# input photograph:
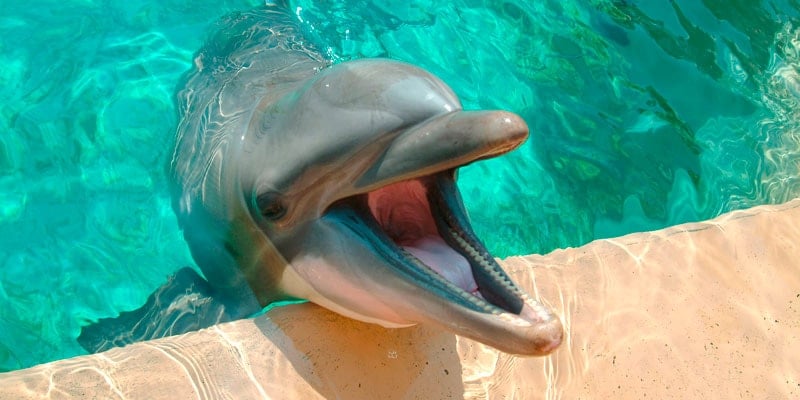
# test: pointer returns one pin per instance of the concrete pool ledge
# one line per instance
(701, 309)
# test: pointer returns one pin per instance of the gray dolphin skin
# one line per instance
(297, 179)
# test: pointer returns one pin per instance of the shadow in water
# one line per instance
(183, 304)
(354, 358)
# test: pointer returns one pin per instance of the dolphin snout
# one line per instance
(445, 142)
(495, 132)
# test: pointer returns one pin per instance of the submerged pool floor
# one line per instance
(642, 115)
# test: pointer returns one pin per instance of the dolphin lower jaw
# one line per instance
(496, 311)
(298, 285)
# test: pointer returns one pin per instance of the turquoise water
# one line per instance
(643, 115)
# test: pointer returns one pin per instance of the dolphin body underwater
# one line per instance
(297, 179)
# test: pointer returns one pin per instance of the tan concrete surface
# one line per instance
(708, 310)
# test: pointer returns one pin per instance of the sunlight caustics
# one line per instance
(644, 317)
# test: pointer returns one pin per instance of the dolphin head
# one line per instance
(352, 179)
(296, 179)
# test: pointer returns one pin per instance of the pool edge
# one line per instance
(304, 351)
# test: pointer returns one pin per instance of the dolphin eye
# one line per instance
(271, 206)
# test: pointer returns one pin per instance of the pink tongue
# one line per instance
(435, 253)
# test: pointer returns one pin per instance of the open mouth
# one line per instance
(421, 227)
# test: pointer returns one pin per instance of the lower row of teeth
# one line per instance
(476, 255)
(542, 312)
(476, 298)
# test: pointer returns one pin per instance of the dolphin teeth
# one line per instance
(475, 300)
(454, 226)
(407, 212)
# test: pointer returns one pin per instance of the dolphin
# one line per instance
(296, 178)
